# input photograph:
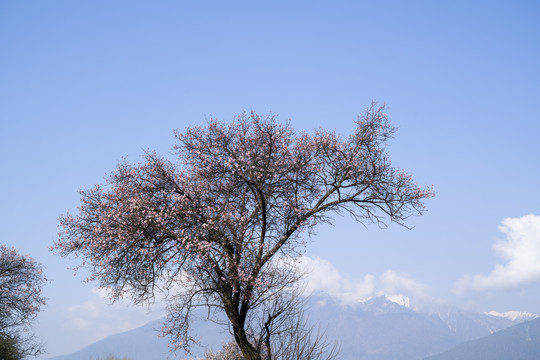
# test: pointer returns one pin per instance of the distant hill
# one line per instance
(376, 329)
(144, 343)
(380, 329)
(521, 342)
(140, 343)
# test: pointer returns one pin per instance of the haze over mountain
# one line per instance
(379, 328)
(145, 343)
(520, 341)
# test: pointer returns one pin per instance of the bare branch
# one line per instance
(212, 223)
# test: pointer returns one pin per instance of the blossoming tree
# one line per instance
(222, 222)
(21, 281)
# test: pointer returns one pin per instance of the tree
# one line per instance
(286, 335)
(294, 339)
(221, 223)
(284, 332)
(9, 348)
(21, 281)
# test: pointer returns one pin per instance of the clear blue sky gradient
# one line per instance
(83, 84)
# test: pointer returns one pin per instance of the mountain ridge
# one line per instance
(379, 328)
(521, 341)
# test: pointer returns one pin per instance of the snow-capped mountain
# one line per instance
(469, 325)
(387, 327)
(379, 328)
(400, 300)
(514, 315)
(520, 341)
(465, 324)
(383, 304)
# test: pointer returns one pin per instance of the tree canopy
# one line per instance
(21, 282)
(222, 222)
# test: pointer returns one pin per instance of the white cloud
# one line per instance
(396, 284)
(69, 328)
(97, 318)
(324, 277)
(520, 252)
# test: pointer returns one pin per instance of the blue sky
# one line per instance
(83, 84)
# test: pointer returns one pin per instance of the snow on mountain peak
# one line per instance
(513, 315)
(400, 300)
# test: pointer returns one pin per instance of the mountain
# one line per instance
(520, 341)
(380, 328)
(467, 325)
(514, 315)
(140, 343)
(384, 328)
(144, 343)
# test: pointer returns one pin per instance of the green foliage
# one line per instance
(9, 348)
(21, 281)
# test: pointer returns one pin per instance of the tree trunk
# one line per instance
(248, 351)
(237, 321)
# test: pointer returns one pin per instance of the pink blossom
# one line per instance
(235, 197)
